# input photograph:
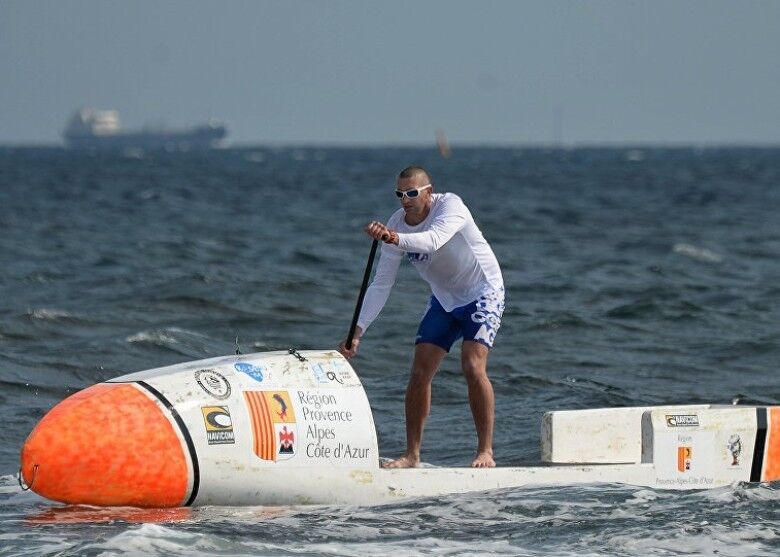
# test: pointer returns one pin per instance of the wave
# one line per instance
(674, 310)
(697, 253)
(592, 519)
(178, 340)
(48, 314)
(562, 320)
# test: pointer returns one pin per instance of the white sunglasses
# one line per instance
(412, 193)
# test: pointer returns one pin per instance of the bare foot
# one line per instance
(406, 461)
(484, 460)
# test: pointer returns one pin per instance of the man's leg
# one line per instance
(474, 356)
(427, 358)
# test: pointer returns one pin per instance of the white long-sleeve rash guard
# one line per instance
(447, 249)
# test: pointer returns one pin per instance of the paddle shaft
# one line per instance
(363, 288)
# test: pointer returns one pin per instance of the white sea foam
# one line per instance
(415, 546)
(40, 545)
(169, 335)
(741, 492)
(643, 497)
(584, 520)
(689, 538)
(700, 254)
(9, 484)
(154, 337)
(13, 496)
(151, 539)
(48, 314)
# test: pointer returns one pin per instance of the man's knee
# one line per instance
(474, 362)
(427, 358)
(475, 375)
(423, 372)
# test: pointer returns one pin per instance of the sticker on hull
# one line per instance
(255, 372)
(274, 428)
(682, 420)
(309, 427)
(213, 383)
(684, 457)
(219, 425)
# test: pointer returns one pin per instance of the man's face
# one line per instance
(416, 204)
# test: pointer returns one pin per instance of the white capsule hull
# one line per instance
(290, 429)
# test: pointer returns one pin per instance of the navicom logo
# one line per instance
(219, 425)
(682, 420)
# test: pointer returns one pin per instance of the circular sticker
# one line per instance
(213, 382)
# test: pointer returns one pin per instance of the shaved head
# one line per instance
(415, 172)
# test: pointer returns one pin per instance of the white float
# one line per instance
(291, 428)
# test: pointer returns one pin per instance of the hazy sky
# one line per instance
(393, 72)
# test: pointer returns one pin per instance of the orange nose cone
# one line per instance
(107, 445)
(772, 452)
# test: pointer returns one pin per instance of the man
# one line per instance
(438, 236)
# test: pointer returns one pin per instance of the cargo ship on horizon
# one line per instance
(91, 128)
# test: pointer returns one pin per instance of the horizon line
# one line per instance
(587, 144)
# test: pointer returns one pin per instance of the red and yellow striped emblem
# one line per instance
(684, 457)
(266, 409)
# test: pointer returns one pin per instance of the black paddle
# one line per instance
(363, 288)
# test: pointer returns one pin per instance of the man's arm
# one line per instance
(379, 289)
(376, 295)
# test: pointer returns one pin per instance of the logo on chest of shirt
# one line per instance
(417, 257)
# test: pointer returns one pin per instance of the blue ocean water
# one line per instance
(633, 276)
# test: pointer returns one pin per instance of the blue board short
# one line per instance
(478, 321)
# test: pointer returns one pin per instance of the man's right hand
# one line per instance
(379, 231)
(352, 351)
